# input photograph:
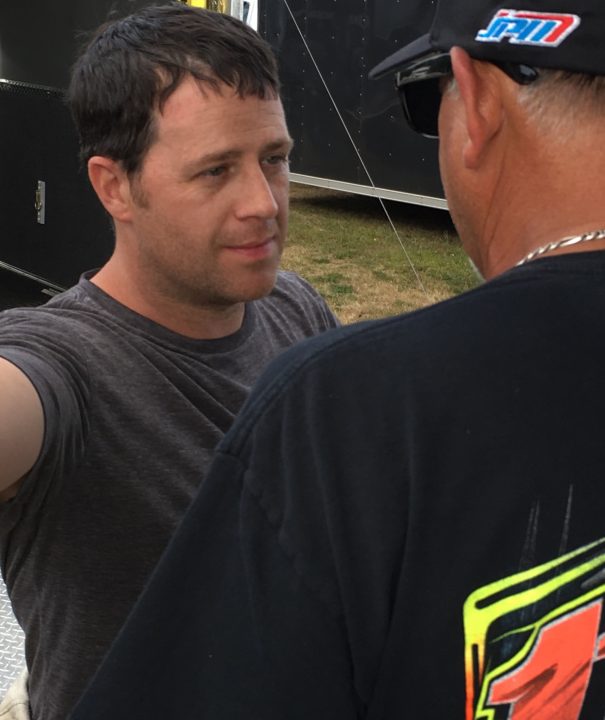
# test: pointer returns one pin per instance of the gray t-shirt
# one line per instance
(133, 412)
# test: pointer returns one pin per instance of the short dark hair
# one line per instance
(131, 66)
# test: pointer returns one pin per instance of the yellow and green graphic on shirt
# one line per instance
(533, 639)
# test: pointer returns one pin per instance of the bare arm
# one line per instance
(21, 427)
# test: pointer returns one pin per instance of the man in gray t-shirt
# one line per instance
(114, 394)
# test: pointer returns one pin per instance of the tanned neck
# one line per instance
(192, 321)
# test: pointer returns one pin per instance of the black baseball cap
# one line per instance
(555, 34)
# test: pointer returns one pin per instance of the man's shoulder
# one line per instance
(71, 330)
(496, 307)
(296, 302)
(291, 286)
(421, 349)
(371, 337)
(60, 316)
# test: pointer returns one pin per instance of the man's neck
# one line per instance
(545, 241)
(188, 319)
(526, 217)
(531, 195)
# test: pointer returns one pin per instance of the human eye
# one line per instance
(277, 160)
(214, 172)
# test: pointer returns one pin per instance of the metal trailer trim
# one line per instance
(17, 84)
(384, 193)
(49, 286)
(12, 644)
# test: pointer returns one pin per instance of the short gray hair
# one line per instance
(559, 100)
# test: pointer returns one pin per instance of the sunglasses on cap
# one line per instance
(420, 87)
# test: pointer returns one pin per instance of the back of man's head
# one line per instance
(561, 41)
(131, 66)
(521, 125)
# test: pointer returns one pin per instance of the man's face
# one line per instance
(211, 199)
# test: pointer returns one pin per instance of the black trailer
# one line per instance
(349, 133)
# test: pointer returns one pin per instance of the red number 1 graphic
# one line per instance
(553, 680)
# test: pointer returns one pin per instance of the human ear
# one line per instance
(110, 181)
(481, 99)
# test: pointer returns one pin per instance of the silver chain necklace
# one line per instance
(565, 242)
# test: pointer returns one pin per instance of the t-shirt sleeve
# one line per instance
(314, 308)
(58, 373)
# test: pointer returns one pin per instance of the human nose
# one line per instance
(256, 197)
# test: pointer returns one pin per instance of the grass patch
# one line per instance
(346, 247)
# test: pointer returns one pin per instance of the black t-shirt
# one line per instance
(406, 521)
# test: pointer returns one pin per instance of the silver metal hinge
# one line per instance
(40, 203)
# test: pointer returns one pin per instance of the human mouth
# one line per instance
(255, 250)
